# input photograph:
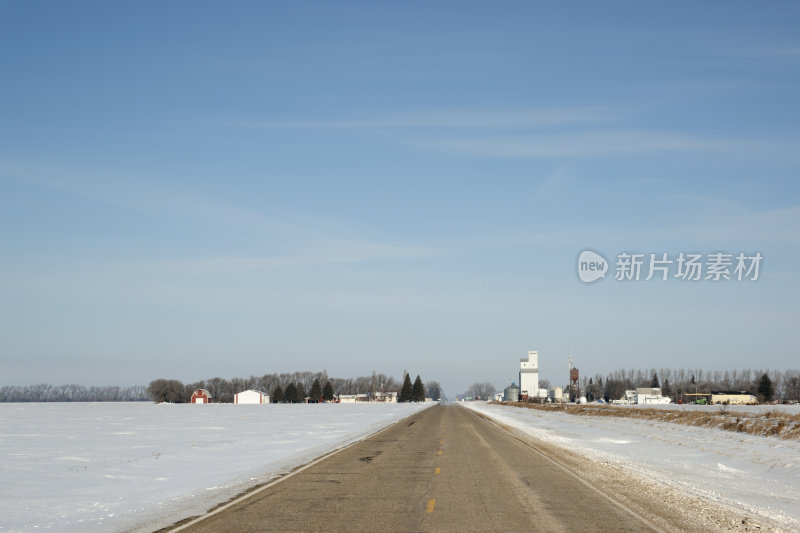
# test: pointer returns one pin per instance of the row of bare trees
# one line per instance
(223, 390)
(674, 382)
(480, 390)
(72, 393)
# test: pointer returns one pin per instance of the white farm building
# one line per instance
(251, 396)
(643, 395)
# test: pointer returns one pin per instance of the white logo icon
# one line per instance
(591, 266)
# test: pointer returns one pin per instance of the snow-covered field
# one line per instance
(119, 466)
(759, 474)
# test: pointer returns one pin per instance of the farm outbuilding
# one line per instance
(651, 395)
(353, 398)
(388, 397)
(201, 396)
(733, 398)
(643, 395)
(251, 396)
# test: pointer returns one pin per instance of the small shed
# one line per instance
(251, 396)
(201, 396)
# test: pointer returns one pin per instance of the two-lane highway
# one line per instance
(443, 469)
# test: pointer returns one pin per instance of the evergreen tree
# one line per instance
(765, 389)
(291, 393)
(327, 392)
(316, 392)
(301, 393)
(654, 382)
(277, 394)
(418, 390)
(405, 392)
(666, 390)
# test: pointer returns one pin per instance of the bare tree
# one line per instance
(434, 390)
(165, 390)
(483, 390)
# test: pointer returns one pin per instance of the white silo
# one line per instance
(558, 395)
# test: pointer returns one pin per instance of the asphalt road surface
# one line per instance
(442, 469)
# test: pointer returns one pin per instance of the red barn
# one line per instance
(201, 396)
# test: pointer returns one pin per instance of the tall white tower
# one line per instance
(529, 375)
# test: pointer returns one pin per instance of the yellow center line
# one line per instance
(431, 505)
(437, 471)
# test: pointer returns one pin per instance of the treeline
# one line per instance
(484, 390)
(781, 385)
(480, 390)
(291, 387)
(72, 393)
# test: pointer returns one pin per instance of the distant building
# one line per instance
(353, 398)
(733, 398)
(201, 396)
(650, 395)
(529, 375)
(251, 396)
(388, 397)
(558, 395)
(642, 396)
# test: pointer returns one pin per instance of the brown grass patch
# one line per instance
(767, 423)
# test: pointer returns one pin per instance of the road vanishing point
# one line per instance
(442, 469)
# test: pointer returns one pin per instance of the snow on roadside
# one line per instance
(758, 474)
(118, 466)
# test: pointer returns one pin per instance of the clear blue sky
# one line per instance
(199, 189)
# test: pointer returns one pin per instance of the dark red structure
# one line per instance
(201, 396)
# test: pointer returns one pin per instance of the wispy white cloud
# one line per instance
(339, 253)
(296, 238)
(733, 223)
(467, 118)
(164, 195)
(556, 183)
(603, 143)
(778, 52)
(557, 132)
